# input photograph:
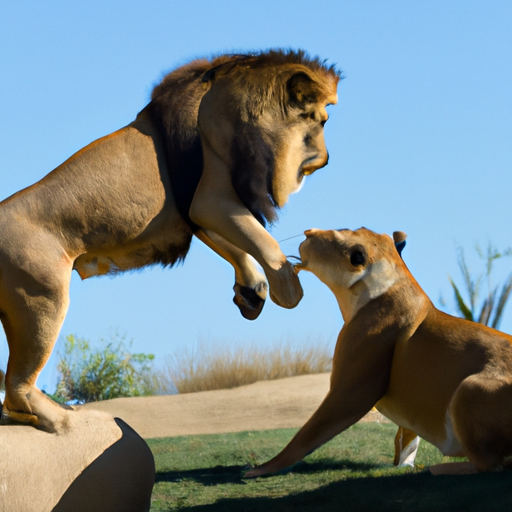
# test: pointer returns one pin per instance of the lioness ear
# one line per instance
(399, 239)
(302, 89)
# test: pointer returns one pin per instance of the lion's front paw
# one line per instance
(250, 301)
(285, 288)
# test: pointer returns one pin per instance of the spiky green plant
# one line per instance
(490, 311)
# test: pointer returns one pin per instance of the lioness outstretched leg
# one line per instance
(33, 305)
(328, 420)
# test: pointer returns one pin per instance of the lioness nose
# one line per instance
(311, 232)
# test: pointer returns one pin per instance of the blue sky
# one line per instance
(420, 141)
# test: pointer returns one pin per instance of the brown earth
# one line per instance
(283, 403)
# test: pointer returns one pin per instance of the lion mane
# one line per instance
(174, 107)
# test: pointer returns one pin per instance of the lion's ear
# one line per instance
(302, 89)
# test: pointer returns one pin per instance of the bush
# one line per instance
(210, 368)
(111, 371)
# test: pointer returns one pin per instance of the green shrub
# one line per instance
(110, 371)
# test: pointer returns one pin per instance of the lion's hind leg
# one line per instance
(482, 420)
(33, 307)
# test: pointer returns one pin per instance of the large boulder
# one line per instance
(96, 464)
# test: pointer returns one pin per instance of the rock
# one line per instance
(96, 464)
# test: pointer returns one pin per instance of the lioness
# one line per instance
(444, 378)
(216, 153)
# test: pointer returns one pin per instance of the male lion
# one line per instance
(215, 153)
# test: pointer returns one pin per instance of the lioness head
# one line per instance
(265, 115)
(357, 266)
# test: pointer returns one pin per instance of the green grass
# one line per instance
(353, 472)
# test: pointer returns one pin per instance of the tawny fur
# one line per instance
(443, 378)
(136, 197)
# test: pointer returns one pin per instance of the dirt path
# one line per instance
(264, 405)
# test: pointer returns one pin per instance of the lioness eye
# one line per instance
(357, 258)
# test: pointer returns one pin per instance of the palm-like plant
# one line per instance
(490, 312)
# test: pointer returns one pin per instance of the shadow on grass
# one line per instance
(220, 475)
(208, 476)
(306, 468)
(419, 492)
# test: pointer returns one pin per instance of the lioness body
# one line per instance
(450, 376)
(136, 197)
(444, 378)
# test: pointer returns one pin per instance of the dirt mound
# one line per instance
(282, 403)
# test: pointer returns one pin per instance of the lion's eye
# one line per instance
(357, 258)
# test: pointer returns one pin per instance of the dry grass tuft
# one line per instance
(209, 368)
